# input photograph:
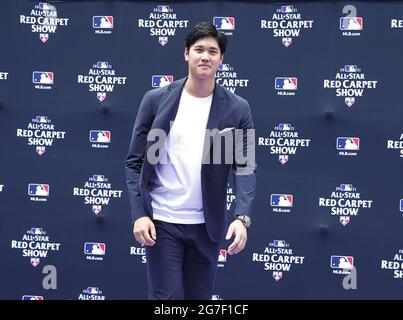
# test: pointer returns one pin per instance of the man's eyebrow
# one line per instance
(201, 46)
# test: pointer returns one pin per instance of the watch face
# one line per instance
(246, 220)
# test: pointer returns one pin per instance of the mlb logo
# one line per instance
(341, 262)
(222, 256)
(401, 205)
(37, 189)
(96, 208)
(41, 119)
(101, 96)
(163, 40)
(35, 261)
(344, 220)
(98, 177)
(40, 150)
(286, 9)
(92, 290)
(102, 22)
(44, 37)
(36, 231)
(284, 126)
(279, 243)
(277, 275)
(215, 297)
(161, 80)
(44, 6)
(102, 65)
(346, 187)
(350, 68)
(26, 297)
(351, 23)
(224, 23)
(224, 67)
(348, 143)
(286, 83)
(163, 8)
(281, 200)
(102, 136)
(283, 158)
(94, 248)
(349, 101)
(287, 42)
(42, 77)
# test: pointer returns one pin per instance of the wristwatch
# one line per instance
(246, 220)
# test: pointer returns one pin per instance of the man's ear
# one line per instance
(222, 58)
(186, 54)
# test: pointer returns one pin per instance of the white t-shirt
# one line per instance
(178, 195)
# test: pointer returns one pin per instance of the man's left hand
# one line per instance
(241, 235)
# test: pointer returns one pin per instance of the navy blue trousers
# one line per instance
(182, 264)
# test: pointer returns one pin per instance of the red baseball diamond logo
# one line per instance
(348, 146)
(351, 26)
(29, 297)
(100, 139)
(94, 248)
(102, 22)
(224, 23)
(38, 191)
(286, 83)
(43, 79)
(341, 264)
(222, 257)
(158, 81)
(281, 200)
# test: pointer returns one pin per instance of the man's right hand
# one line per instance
(144, 231)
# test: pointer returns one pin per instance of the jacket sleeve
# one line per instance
(244, 167)
(135, 157)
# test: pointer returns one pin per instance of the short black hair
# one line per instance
(206, 29)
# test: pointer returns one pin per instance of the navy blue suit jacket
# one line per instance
(158, 108)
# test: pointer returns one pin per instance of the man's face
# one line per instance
(203, 58)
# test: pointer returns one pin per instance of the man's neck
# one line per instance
(199, 88)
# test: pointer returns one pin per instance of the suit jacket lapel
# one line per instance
(216, 108)
(215, 116)
(168, 107)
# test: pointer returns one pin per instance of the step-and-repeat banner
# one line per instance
(322, 79)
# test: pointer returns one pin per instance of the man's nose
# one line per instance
(205, 55)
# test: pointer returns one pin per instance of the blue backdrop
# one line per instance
(320, 79)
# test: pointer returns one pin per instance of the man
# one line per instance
(178, 192)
